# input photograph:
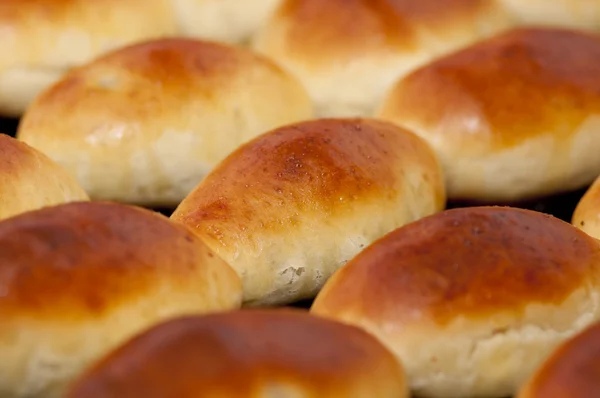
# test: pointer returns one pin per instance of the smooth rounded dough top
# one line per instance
(247, 353)
(502, 92)
(86, 260)
(573, 370)
(470, 263)
(29, 180)
(318, 31)
(58, 34)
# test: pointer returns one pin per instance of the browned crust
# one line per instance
(470, 262)
(83, 259)
(503, 91)
(324, 166)
(573, 370)
(242, 353)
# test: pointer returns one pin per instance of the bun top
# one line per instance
(348, 52)
(483, 265)
(143, 124)
(571, 371)
(527, 99)
(587, 213)
(63, 33)
(88, 260)
(29, 180)
(247, 353)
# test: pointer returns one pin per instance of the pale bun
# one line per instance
(78, 279)
(42, 39)
(29, 180)
(250, 353)
(587, 213)
(512, 118)
(145, 123)
(229, 21)
(471, 300)
(571, 370)
(290, 207)
(349, 52)
(578, 14)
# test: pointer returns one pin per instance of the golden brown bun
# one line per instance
(473, 299)
(290, 207)
(42, 39)
(349, 52)
(29, 180)
(512, 118)
(229, 21)
(587, 213)
(243, 354)
(571, 371)
(145, 123)
(78, 279)
(579, 14)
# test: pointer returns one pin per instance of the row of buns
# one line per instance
(469, 301)
(346, 52)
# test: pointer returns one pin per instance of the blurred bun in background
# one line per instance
(512, 118)
(29, 180)
(277, 353)
(349, 52)
(471, 300)
(229, 21)
(290, 207)
(578, 14)
(145, 123)
(78, 279)
(43, 39)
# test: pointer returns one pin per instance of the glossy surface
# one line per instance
(470, 262)
(247, 354)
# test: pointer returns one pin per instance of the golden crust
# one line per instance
(143, 124)
(521, 95)
(29, 180)
(463, 263)
(83, 260)
(571, 371)
(587, 213)
(295, 182)
(247, 353)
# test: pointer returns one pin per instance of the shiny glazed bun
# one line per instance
(29, 180)
(78, 279)
(290, 207)
(229, 21)
(512, 118)
(145, 123)
(571, 371)
(349, 52)
(243, 354)
(587, 213)
(471, 300)
(42, 39)
(579, 14)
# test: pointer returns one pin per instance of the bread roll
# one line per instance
(579, 14)
(78, 279)
(587, 213)
(349, 52)
(42, 39)
(290, 207)
(473, 299)
(230, 21)
(29, 180)
(512, 118)
(145, 123)
(571, 371)
(258, 354)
